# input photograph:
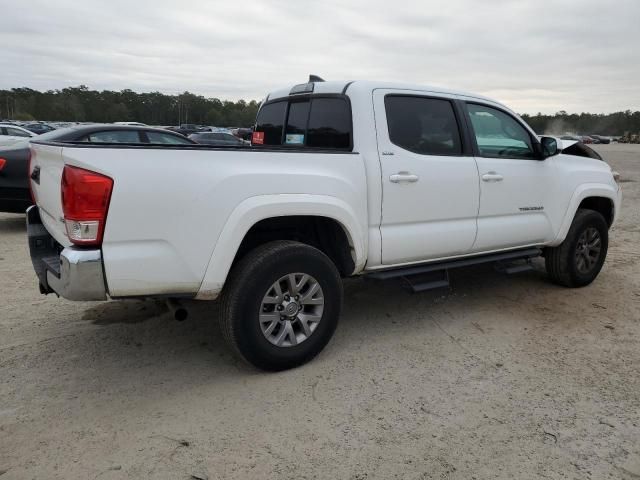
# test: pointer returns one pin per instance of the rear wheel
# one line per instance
(577, 261)
(281, 305)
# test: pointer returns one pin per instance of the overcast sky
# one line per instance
(534, 55)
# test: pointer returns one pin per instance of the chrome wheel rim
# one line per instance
(588, 250)
(291, 310)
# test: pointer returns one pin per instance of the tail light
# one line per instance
(85, 202)
(2, 163)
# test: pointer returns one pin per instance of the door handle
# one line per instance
(401, 177)
(492, 177)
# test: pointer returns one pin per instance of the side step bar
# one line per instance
(436, 275)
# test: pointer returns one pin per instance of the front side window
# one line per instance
(498, 134)
(166, 139)
(426, 126)
(114, 136)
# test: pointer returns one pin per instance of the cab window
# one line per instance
(422, 125)
(271, 121)
(318, 122)
(498, 134)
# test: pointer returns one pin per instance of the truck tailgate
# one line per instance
(46, 177)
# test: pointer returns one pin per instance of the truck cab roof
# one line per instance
(361, 86)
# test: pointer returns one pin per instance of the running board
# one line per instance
(436, 275)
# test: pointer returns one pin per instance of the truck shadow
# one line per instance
(146, 328)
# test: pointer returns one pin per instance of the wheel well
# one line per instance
(323, 233)
(602, 205)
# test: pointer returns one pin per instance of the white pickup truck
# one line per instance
(342, 178)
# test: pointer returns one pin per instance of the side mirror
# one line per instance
(549, 147)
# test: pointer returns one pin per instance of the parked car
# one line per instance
(186, 129)
(10, 134)
(216, 138)
(601, 139)
(586, 139)
(14, 185)
(39, 128)
(14, 160)
(381, 180)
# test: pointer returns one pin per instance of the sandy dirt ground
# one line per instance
(499, 377)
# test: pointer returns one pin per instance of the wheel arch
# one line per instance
(598, 197)
(249, 221)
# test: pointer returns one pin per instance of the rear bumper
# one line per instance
(72, 273)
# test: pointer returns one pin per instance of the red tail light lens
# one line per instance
(2, 163)
(85, 202)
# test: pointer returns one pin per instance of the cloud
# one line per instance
(534, 55)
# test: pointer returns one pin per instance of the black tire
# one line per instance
(563, 263)
(250, 280)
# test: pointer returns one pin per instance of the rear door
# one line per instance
(429, 177)
(514, 183)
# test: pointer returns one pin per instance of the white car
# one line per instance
(10, 134)
(381, 180)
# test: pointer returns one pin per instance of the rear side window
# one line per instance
(322, 122)
(114, 136)
(271, 121)
(329, 124)
(426, 126)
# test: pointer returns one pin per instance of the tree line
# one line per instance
(79, 104)
(612, 124)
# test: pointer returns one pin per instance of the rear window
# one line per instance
(271, 121)
(323, 123)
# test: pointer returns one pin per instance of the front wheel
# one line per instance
(577, 261)
(281, 305)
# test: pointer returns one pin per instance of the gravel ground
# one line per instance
(500, 377)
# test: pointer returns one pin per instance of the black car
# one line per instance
(216, 138)
(601, 139)
(14, 160)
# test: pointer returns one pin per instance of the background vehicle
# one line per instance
(586, 139)
(12, 133)
(601, 139)
(39, 128)
(216, 138)
(14, 160)
(14, 184)
(185, 129)
(342, 178)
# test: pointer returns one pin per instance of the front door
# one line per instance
(514, 182)
(430, 191)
